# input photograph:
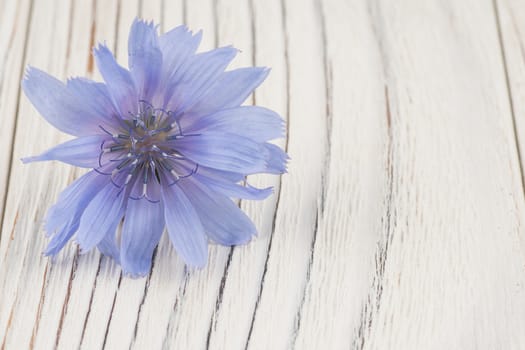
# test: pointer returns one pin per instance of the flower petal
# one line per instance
(177, 46)
(108, 246)
(257, 123)
(223, 151)
(225, 175)
(119, 81)
(77, 195)
(95, 100)
(276, 159)
(189, 83)
(60, 238)
(184, 227)
(59, 105)
(223, 221)
(230, 90)
(234, 190)
(143, 227)
(63, 218)
(145, 58)
(101, 216)
(82, 152)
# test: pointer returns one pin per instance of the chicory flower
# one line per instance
(168, 144)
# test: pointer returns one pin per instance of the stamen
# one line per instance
(115, 148)
(128, 179)
(129, 155)
(175, 175)
(176, 155)
(141, 144)
(174, 137)
(124, 163)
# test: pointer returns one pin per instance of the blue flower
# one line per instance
(169, 145)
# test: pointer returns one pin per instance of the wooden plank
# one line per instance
(15, 18)
(450, 268)
(510, 17)
(243, 278)
(356, 185)
(24, 270)
(56, 294)
(289, 257)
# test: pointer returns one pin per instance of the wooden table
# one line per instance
(399, 226)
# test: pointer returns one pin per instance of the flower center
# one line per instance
(141, 155)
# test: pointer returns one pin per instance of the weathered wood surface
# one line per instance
(401, 223)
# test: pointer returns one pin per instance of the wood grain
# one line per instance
(400, 224)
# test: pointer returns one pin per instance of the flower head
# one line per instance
(169, 145)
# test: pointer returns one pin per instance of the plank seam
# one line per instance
(218, 302)
(67, 297)
(144, 295)
(373, 301)
(39, 309)
(165, 344)
(510, 99)
(111, 312)
(9, 321)
(162, 11)
(90, 64)
(215, 23)
(184, 12)
(251, 9)
(370, 308)
(274, 219)
(325, 170)
(298, 315)
(90, 303)
(327, 66)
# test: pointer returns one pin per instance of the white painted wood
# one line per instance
(353, 214)
(453, 267)
(15, 19)
(235, 313)
(510, 18)
(285, 278)
(24, 282)
(399, 226)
